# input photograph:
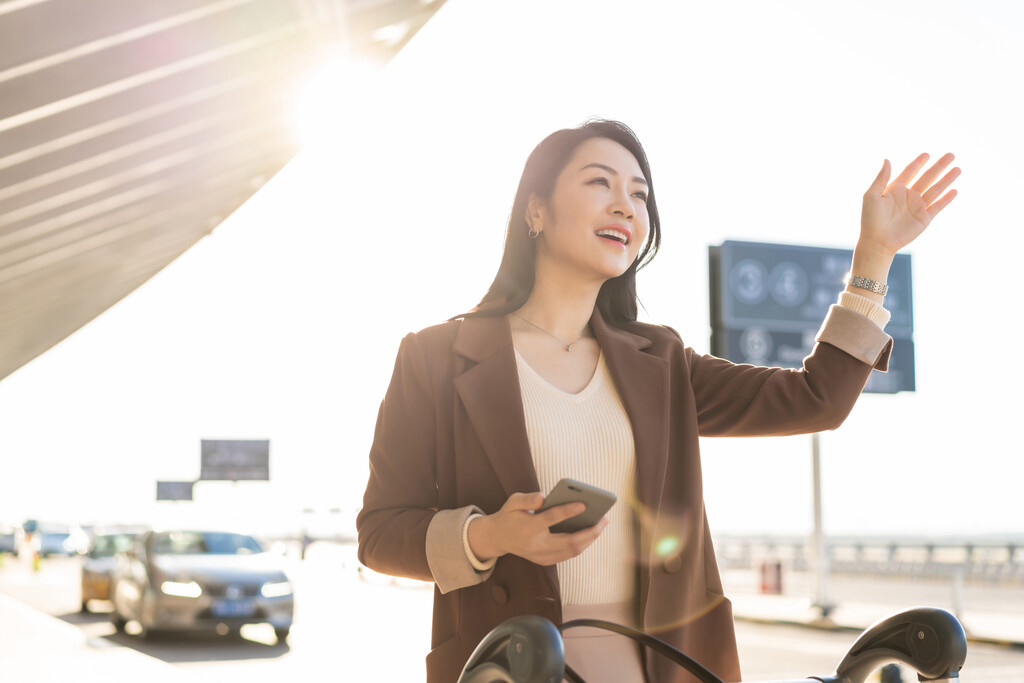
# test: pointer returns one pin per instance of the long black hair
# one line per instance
(617, 298)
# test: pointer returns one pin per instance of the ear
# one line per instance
(535, 209)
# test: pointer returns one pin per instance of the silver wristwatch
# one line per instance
(865, 283)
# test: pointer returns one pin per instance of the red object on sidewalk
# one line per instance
(771, 577)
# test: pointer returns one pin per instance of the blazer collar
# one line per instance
(479, 338)
(615, 336)
(491, 394)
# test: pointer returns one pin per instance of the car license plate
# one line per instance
(233, 608)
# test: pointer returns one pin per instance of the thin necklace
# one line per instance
(568, 345)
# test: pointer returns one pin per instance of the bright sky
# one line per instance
(763, 122)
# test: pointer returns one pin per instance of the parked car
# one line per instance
(58, 539)
(55, 543)
(8, 540)
(198, 581)
(98, 565)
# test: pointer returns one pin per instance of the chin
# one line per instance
(612, 273)
(619, 268)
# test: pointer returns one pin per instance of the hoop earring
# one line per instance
(534, 233)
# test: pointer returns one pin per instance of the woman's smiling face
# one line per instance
(595, 222)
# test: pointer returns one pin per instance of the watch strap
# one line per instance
(868, 284)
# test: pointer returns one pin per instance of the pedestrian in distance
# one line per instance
(552, 376)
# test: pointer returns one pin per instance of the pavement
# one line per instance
(35, 646)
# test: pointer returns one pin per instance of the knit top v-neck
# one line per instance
(587, 436)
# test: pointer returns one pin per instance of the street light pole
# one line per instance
(821, 564)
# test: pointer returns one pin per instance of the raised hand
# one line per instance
(895, 213)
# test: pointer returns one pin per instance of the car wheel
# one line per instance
(145, 631)
(118, 621)
(282, 634)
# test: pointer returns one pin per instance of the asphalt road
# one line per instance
(350, 626)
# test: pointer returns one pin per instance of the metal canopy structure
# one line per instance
(129, 129)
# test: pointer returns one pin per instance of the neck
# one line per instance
(560, 308)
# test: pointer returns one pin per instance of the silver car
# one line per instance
(8, 540)
(98, 565)
(198, 581)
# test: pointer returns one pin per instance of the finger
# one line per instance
(911, 170)
(881, 180)
(940, 187)
(579, 540)
(524, 501)
(592, 532)
(560, 513)
(929, 176)
(942, 203)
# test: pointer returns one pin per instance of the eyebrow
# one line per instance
(609, 169)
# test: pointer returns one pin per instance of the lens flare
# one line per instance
(667, 546)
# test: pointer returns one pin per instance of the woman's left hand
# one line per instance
(895, 214)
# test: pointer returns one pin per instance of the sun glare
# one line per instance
(332, 94)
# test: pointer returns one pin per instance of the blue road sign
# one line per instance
(768, 301)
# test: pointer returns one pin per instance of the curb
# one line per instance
(829, 625)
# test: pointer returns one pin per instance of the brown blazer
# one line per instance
(451, 433)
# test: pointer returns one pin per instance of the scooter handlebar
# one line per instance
(523, 649)
(928, 639)
(528, 649)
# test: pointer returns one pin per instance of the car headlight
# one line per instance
(276, 589)
(182, 589)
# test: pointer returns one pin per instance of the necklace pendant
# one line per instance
(568, 347)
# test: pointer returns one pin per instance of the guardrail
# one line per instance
(988, 560)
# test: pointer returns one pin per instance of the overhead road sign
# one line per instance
(244, 460)
(174, 490)
(768, 302)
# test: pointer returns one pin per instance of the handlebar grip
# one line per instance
(928, 639)
(523, 649)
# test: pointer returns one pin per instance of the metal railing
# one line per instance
(986, 560)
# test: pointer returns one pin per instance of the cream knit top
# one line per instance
(586, 436)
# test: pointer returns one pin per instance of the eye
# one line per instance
(641, 195)
(599, 181)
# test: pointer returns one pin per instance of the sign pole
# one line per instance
(821, 564)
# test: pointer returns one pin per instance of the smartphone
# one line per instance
(597, 500)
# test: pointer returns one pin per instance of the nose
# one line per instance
(620, 205)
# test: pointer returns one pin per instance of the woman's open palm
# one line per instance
(895, 214)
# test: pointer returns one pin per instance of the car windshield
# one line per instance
(54, 539)
(204, 543)
(108, 546)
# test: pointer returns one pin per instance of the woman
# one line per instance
(551, 376)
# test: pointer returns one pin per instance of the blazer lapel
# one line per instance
(490, 393)
(489, 390)
(642, 382)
